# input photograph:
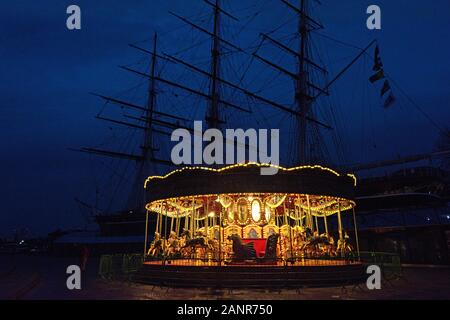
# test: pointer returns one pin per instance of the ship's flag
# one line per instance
(378, 64)
(386, 87)
(390, 100)
(377, 76)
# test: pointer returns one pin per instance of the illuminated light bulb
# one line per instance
(248, 164)
(211, 214)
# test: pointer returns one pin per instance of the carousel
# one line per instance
(233, 227)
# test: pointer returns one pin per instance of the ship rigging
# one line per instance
(226, 92)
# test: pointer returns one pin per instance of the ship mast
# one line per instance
(147, 150)
(213, 114)
(305, 90)
(304, 95)
(145, 169)
(301, 92)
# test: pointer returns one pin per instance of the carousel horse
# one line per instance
(242, 251)
(208, 240)
(308, 234)
(344, 247)
(191, 244)
(173, 245)
(271, 247)
(314, 243)
(227, 249)
(326, 247)
(211, 244)
(213, 247)
(156, 247)
(329, 249)
(299, 241)
(285, 245)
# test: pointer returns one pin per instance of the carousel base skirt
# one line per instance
(312, 273)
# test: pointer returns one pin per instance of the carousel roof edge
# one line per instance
(249, 164)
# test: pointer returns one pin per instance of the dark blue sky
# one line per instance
(47, 71)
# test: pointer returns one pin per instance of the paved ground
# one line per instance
(32, 277)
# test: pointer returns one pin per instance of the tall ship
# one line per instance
(230, 67)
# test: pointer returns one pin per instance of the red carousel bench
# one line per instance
(259, 245)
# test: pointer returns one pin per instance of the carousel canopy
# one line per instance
(247, 178)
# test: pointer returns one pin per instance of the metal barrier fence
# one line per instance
(119, 265)
(124, 265)
(297, 261)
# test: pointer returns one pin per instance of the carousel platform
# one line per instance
(311, 273)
